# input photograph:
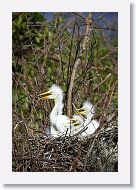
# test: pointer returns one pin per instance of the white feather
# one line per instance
(87, 123)
(59, 122)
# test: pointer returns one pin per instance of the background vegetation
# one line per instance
(44, 53)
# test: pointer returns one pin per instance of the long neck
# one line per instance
(57, 110)
(60, 106)
(89, 118)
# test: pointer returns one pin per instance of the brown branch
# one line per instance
(87, 30)
(77, 62)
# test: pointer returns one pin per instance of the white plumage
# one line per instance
(60, 124)
(87, 123)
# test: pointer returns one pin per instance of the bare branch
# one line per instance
(71, 87)
(88, 24)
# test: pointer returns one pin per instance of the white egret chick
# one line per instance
(78, 124)
(59, 122)
(86, 111)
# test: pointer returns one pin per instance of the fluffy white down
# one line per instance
(57, 93)
(59, 122)
(86, 123)
(80, 123)
(63, 124)
(89, 109)
(55, 133)
(91, 127)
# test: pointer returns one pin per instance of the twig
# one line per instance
(102, 81)
(17, 125)
(71, 87)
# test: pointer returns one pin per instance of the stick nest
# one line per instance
(96, 153)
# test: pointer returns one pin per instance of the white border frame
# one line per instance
(6, 174)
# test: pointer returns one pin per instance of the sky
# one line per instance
(108, 15)
(106, 22)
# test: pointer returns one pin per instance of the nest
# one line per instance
(96, 153)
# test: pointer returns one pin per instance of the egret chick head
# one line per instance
(87, 108)
(55, 93)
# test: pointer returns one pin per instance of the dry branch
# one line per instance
(77, 62)
(88, 24)
(69, 101)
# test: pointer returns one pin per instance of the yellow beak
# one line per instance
(44, 95)
(72, 121)
(75, 122)
(80, 111)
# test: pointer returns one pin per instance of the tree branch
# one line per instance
(71, 87)
(77, 62)
(87, 30)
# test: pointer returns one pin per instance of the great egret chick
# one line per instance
(87, 111)
(59, 122)
(78, 125)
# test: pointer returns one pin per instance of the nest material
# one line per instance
(96, 153)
